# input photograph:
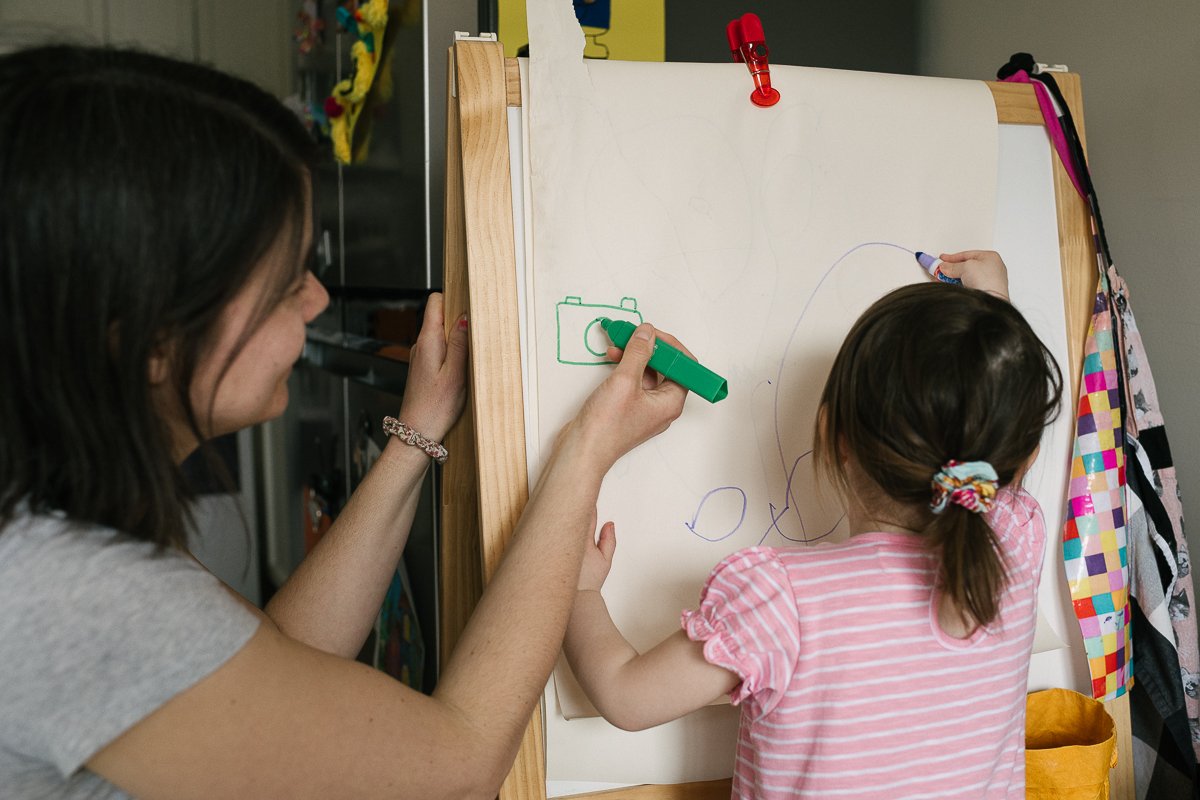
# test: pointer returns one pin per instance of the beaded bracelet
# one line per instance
(434, 450)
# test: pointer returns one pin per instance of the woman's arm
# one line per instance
(330, 602)
(282, 719)
(631, 690)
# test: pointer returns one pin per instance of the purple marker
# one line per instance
(933, 265)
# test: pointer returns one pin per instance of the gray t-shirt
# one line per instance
(96, 632)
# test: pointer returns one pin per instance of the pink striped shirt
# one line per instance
(849, 687)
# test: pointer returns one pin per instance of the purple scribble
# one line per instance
(691, 526)
(778, 513)
(778, 433)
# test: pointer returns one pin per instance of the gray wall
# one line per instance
(1140, 68)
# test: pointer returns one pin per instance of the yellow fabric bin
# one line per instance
(1070, 745)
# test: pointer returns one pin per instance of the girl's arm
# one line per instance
(331, 600)
(634, 691)
(282, 719)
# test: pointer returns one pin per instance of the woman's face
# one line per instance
(254, 388)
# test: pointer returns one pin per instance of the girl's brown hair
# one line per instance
(929, 373)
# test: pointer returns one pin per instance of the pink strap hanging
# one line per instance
(1053, 126)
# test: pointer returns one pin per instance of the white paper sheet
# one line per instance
(756, 236)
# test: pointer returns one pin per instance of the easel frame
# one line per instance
(485, 484)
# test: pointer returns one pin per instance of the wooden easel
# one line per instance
(485, 484)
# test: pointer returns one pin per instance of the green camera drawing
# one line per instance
(581, 340)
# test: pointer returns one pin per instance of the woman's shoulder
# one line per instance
(50, 541)
(65, 570)
(42, 548)
(99, 630)
(88, 582)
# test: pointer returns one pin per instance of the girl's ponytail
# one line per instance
(972, 572)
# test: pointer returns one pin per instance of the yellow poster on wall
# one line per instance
(624, 30)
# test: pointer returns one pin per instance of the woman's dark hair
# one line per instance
(139, 195)
(930, 373)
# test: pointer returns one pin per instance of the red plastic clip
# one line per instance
(748, 44)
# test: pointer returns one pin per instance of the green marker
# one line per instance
(671, 363)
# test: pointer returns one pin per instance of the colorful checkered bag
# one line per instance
(1095, 546)
(1094, 538)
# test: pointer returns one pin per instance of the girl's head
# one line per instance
(154, 225)
(928, 374)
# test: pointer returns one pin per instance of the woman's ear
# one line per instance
(160, 368)
(159, 365)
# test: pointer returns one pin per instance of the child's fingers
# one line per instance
(970, 255)
(978, 269)
(951, 269)
(608, 541)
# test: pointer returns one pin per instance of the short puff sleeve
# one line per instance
(749, 624)
(1016, 520)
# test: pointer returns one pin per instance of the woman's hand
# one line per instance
(437, 374)
(978, 269)
(633, 404)
(597, 559)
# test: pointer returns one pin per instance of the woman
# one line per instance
(155, 221)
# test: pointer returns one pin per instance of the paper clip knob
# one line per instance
(748, 44)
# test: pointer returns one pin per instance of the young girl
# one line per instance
(155, 222)
(892, 664)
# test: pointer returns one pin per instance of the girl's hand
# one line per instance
(437, 374)
(978, 269)
(633, 404)
(597, 559)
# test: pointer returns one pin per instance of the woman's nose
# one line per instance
(317, 300)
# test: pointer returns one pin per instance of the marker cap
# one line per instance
(671, 363)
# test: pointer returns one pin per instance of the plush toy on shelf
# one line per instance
(371, 80)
